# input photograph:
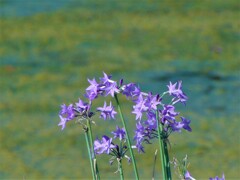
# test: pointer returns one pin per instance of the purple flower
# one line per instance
(103, 146)
(62, 122)
(218, 178)
(140, 107)
(151, 121)
(119, 133)
(111, 88)
(107, 112)
(106, 78)
(188, 176)
(92, 90)
(177, 93)
(177, 126)
(186, 123)
(131, 90)
(67, 112)
(108, 86)
(139, 136)
(81, 106)
(168, 114)
(152, 101)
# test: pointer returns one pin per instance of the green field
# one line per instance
(49, 49)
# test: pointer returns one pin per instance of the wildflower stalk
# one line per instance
(127, 137)
(96, 171)
(161, 148)
(89, 152)
(168, 168)
(120, 168)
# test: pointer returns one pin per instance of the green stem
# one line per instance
(161, 148)
(127, 138)
(168, 168)
(89, 153)
(120, 168)
(92, 150)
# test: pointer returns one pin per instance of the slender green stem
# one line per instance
(92, 149)
(89, 153)
(161, 148)
(154, 164)
(127, 138)
(168, 168)
(120, 168)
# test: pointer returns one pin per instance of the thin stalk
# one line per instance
(161, 148)
(154, 164)
(127, 138)
(120, 169)
(168, 169)
(89, 153)
(92, 150)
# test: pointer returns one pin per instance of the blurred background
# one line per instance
(48, 49)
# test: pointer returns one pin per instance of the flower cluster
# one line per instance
(105, 87)
(154, 119)
(147, 108)
(150, 108)
(107, 146)
(81, 109)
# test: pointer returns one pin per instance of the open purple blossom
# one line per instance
(82, 106)
(108, 86)
(177, 92)
(131, 90)
(103, 146)
(107, 112)
(67, 111)
(119, 133)
(186, 123)
(151, 121)
(62, 122)
(111, 88)
(152, 101)
(92, 90)
(81, 111)
(140, 107)
(218, 178)
(143, 134)
(139, 137)
(168, 114)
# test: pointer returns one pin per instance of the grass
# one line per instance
(45, 59)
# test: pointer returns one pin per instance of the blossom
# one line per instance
(177, 93)
(139, 136)
(151, 121)
(92, 90)
(119, 133)
(131, 90)
(111, 88)
(62, 122)
(104, 145)
(188, 176)
(81, 106)
(108, 86)
(140, 107)
(107, 112)
(218, 178)
(177, 126)
(152, 101)
(168, 114)
(67, 111)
